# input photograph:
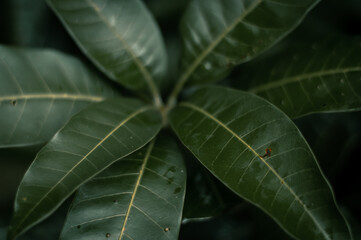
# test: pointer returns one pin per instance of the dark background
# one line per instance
(334, 138)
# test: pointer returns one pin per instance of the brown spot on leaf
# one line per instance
(108, 235)
(268, 153)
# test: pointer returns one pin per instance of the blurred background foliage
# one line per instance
(211, 211)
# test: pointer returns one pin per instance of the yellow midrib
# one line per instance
(207, 114)
(81, 160)
(147, 77)
(217, 40)
(146, 157)
(298, 78)
(65, 96)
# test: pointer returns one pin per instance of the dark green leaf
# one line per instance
(40, 90)
(33, 24)
(229, 131)
(206, 196)
(219, 34)
(143, 197)
(310, 77)
(334, 154)
(167, 11)
(91, 141)
(203, 199)
(242, 222)
(28, 22)
(119, 36)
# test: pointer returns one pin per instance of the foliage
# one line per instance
(132, 127)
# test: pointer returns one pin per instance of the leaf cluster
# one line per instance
(130, 121)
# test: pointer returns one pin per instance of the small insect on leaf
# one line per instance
(166, 229)
(268, 153)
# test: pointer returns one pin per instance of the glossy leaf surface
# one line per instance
(219, 34)
(229, 132)
(310, 77)
(92, 140)
(143, 197)
(119, 36)
(39, 91)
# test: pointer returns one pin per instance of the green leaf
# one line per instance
(143, 197)
(206, 196)
(219, 34)
(28, 22)
(309, 77)
(119, 36)
(229, 131)
(335, 155)
(92, 140)
(203, 199)
(40, 90)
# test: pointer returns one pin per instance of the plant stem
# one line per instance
(157, 100)
(175, 92)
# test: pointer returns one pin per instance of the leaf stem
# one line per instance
(172, 99)
(157, 100)
(195, 64)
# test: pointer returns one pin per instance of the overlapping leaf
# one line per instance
(310, 77)
(39, 91)
(143, 197)
(335, 154)
(206, 196)
(219, 34)
(229, 131)
(119, 36)
(91, 141)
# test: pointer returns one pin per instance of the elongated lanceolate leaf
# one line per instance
(138, 197)
(91, 141)
(229, 132)
(310, 77)
(219, 34)
(39, 91)
(120, 36)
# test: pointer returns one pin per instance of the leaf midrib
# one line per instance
(215, 43)
(143, 109)
(210, 116)
(136, 186)
(298, 78)
(146, 75)
(65, 96)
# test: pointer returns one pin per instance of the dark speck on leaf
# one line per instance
(107, 235)
(177, 190)
(13, 102)
(115, 201)
(78, 226)
(170, 180)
